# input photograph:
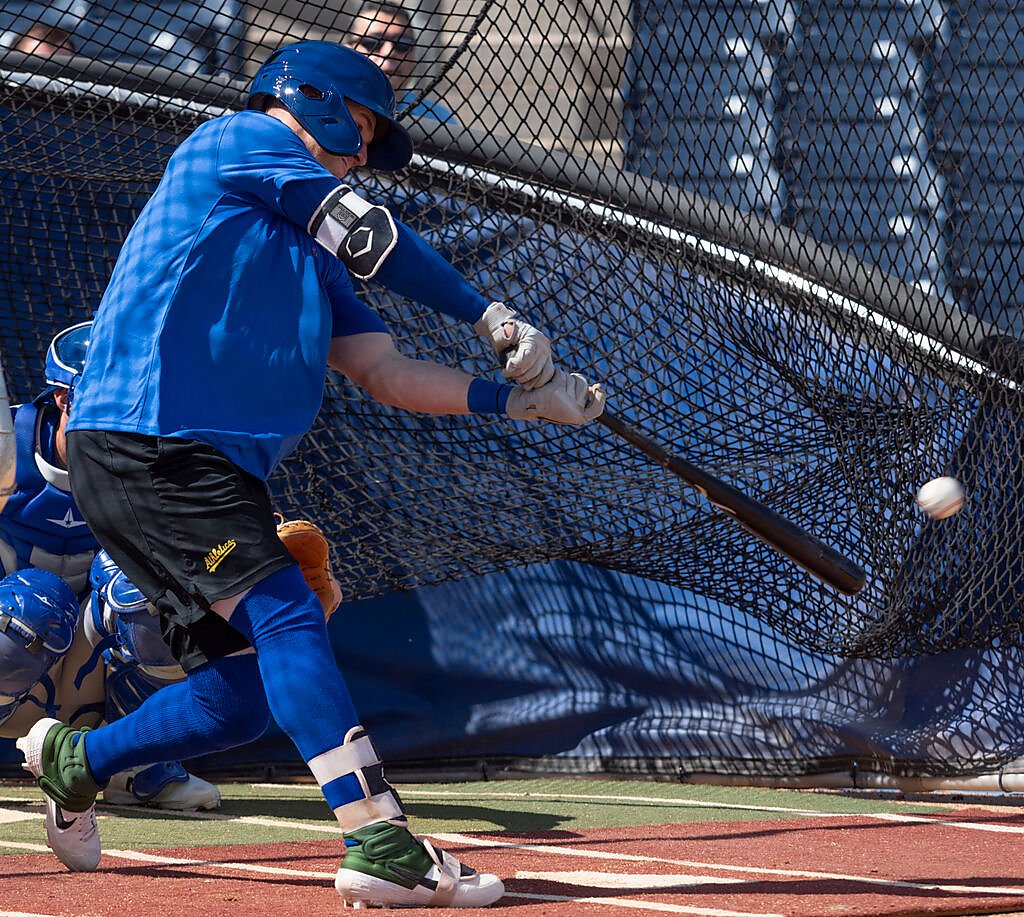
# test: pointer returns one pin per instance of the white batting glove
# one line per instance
(567, 398)
(524, 351)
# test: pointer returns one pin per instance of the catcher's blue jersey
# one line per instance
(217, 320)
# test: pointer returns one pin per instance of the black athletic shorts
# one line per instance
(185, 524)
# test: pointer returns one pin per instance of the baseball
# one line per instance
(941, 497)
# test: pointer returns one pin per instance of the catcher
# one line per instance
(102, 663)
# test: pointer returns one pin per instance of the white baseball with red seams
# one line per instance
(941, 497)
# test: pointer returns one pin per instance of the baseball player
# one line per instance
(231, 296)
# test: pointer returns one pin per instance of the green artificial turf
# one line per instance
(257, 814)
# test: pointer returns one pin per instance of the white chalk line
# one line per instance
(728, 867)
(23, 914)
(568, 851)
(155, 859)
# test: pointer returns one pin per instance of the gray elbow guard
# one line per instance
(362, 235)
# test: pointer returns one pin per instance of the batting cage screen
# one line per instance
(785, 235)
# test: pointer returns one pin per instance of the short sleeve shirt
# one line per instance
(218, 317)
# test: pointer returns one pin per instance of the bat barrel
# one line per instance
(822, 561)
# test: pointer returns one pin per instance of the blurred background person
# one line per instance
(42, 29)
(201, 38)
(46, 41)
(385, 33)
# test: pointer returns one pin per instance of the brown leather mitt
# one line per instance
(307, 544)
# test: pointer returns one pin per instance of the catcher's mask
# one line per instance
(65, 357)
(313, 80)
(38, 613)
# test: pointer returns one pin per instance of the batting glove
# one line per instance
(567, 398)
(524, 351)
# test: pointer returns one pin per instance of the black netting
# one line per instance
(786, 234)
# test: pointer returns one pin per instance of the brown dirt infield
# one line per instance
(967, 862)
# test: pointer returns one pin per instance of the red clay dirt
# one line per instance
(843, 865)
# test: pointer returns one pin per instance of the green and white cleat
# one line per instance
(388, 867)
(54, 756)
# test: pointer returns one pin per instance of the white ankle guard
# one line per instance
(357, 755)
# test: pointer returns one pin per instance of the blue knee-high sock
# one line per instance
(307, 694)
(218, 706)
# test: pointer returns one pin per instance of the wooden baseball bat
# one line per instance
(776, 531)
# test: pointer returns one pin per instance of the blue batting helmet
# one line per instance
(313, 80)
(65, 357)
(38, 613)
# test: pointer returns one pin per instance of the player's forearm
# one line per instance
(434, 389)
(430, 388)
(371, 362)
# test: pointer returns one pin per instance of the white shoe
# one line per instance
(448, 883)
(73, 837)
(179, 796)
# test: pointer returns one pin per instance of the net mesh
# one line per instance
(786, 235)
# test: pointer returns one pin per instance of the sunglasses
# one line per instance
(373, 43)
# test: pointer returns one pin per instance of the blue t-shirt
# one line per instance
(424, 108)
(219, 314)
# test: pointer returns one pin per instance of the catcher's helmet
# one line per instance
(120, 609)
(312, 79)
(65, 357)
(38, 613)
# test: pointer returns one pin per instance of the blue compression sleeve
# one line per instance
(414, 269)
(307, 694)
(418, 272)
(220, 705)
(487, 397)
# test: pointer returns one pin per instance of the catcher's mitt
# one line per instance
(307, 544)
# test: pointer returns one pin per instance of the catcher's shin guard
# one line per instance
(357, 758)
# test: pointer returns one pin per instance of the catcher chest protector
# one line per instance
(313, 80)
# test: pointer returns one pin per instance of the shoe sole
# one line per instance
(359, 890)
